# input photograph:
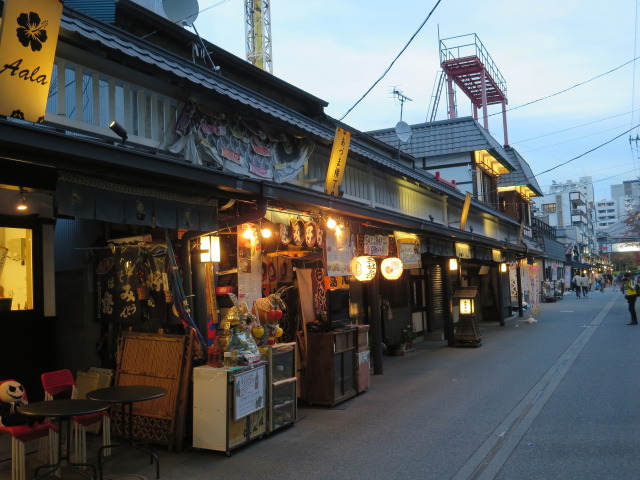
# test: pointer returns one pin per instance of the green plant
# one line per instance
(408, 334)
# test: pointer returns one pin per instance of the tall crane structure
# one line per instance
(257, 16)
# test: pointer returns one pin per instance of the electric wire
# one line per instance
(587, 152)
(393, 62)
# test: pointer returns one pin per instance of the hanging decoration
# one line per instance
(364, 268)
(237, 145)
(391, 268)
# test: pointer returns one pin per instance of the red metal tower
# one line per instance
(467, 63)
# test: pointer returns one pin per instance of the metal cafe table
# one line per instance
(63, 410)
(126, 396)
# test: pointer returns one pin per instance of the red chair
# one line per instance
(20, 434)
(62, 382)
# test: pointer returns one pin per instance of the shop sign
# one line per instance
(337, 161)
(28, 38)
(377, 245)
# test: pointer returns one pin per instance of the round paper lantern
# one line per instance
(363, 268)
(391, 268)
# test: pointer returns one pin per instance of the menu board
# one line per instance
(248, 392)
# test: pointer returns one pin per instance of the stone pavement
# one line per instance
(555, 398)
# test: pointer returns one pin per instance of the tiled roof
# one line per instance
(521, 176)
(457, 135)
(135, 47)
(554, 250)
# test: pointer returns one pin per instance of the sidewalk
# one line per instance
(434, 410)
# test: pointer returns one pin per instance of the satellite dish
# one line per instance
(403, 131)
(182, 12)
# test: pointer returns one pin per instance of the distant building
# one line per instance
(607, 213)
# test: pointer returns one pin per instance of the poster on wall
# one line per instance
(408, 249)
(567, 275)
(28, 39)
(339, 249)
(376, 245)
(534, 289)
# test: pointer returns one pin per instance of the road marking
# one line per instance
(489, 458)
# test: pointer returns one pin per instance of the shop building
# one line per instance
(212, 146)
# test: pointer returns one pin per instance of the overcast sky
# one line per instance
(336, 50)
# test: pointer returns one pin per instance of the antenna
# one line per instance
(185, 12)
(401, 98)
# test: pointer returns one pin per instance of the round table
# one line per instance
(126, 396)
(63, 410)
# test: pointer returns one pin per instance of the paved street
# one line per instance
(553, 399)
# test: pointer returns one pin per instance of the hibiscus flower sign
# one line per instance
(28, 38)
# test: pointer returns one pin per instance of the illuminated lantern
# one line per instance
(503, 267)
(391, 268)
(364, 268)
(466, 332)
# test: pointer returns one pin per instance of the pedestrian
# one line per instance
(575, 282)
(584, 283)
(631, 292)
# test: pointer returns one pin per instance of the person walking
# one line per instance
(630, 293)
(575, 281)
(584, 283)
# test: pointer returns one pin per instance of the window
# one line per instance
(16, 269)
(549, 207)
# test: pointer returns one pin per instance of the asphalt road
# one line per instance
(556, 399)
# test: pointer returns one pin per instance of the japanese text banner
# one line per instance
(337, 161)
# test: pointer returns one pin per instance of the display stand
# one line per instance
(229, 406)
(282, 384)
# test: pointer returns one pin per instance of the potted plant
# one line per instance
(407, 336)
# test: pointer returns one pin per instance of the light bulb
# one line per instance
(331, 223)
(266, 233)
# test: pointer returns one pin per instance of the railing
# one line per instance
(472, 46)
(87, 101)
(541, 229)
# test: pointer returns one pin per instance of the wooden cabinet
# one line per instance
(330, 374)
(282, 385)
(229, 407)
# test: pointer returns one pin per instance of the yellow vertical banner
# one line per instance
(337, 161)
(28, 39)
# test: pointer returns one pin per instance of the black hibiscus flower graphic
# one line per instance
(31, 32)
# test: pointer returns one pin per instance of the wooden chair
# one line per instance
(20, 434)
(61, 382)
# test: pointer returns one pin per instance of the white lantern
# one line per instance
(391, 268)
(364, 268)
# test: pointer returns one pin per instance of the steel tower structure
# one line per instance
(257, 16)
(468, 64)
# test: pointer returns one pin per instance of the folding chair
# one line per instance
(62, 382)
(20, 434)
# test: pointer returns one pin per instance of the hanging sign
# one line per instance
(337, 161)
(28, 38)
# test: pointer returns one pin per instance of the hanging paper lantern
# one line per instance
(391, 268)
(363, 268)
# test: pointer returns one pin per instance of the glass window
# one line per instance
(549, 207)
(16, 269)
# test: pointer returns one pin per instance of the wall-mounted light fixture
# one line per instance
(503, 267)
(453, 264)
(22, 204)
(118, 130)
(209, 248)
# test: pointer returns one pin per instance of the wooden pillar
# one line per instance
(372, 300)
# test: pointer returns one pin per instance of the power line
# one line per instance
(588, 151)
(392, 63)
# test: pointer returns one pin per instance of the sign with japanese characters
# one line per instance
(249, 392)
(337, 162)
(28, 38)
